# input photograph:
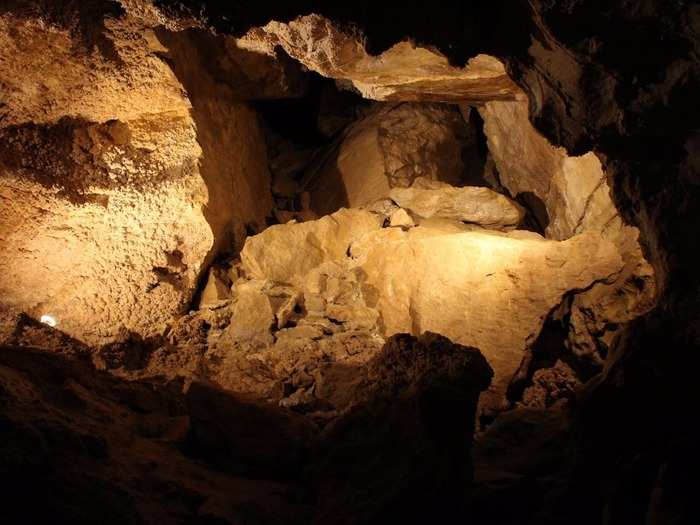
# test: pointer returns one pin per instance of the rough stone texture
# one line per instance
(473, 205)
(403, 72)
(407, 388)
(101, 225)
(481, 288)
(82, 447)
(401, 219)
(393, 146)
(233, 164)
(574, 190)
(96, 448)
(286, 253)
(249, 74)
(576, 196)
(113, 196)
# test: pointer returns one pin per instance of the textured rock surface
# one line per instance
(113, 196)
(96, 449)
(286, 253)
(481, 288)
(404, 72)
(99, 449)
(473, 205)
(576, 197)
(409, 385)
(393, 146)
(101, 225)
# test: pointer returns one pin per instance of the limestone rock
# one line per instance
(393, 146)
(474, 205)
(400, 218)
(403, 72)
(216, 289)
(410, 388)
(481, 288)
(287, 252)
(252, 316)
(121, 183)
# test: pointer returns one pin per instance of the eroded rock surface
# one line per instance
(472, 205)
(393, 146)
(403, 72)
(97, 448)
(481, 288)
(113, 195)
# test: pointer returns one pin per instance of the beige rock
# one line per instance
(391, 147)
(401, 218)
(475, 205)
(484, 289)
(577, 198)
(574, 190)
(114, 195)
(216, 289)
(403, 72)
(252, 317)
(288, 252)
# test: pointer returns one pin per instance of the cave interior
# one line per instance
(349, 264)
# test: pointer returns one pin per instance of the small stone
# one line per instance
(216, 289)
(401, 218)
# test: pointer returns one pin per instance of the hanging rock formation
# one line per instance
(404, 72)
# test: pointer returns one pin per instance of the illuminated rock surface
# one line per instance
(393, 147)
(200, 194)
(403, 72)
(480, 206)
(114, 195)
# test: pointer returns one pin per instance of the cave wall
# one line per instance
(115, 190)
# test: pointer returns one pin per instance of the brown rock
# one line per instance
(401, 219)
(287, 252)
(403, 72)
(480, 206)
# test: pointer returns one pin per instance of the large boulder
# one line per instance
(392, 147)
(473, 205)
(480, 288)
(401, 453)
(287, 252)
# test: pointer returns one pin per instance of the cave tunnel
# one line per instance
(349, 263)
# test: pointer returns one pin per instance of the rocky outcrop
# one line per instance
(96, 448)
(392, 147)
(403, 72)
(287, 253)
(576, 197)
(473, 205)
(481, 288)
(409, 384)
(114, 198)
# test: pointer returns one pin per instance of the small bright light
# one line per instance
(49, 320)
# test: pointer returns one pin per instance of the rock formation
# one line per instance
(285, 265)
(115, 189)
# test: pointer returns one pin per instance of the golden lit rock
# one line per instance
(403, 72)
(288, 252)
(473, 205)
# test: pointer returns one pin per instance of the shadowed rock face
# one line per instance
(94, 448)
